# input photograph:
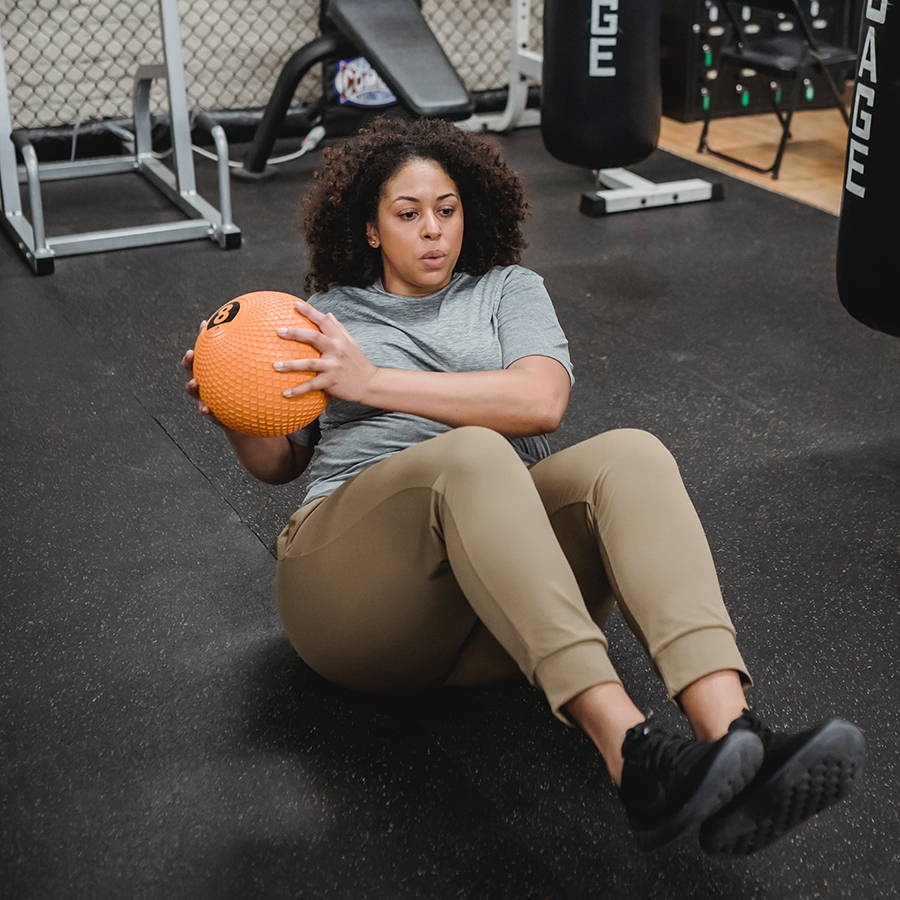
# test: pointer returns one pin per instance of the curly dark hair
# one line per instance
(345, 193)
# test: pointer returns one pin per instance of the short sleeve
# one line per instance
(526, 321)
(308, 436)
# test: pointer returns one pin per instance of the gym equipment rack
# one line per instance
(179, 187)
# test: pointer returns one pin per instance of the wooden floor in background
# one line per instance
(812, 169)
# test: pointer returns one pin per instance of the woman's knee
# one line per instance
(468, 449)
(473, 448)
(634, 447)
(621, 449)
(477, 437)
(574, 473)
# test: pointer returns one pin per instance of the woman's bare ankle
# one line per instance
(605, 712)
(712, 703)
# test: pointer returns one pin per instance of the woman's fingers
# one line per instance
(342, 368)
(206, 412)
(187, 363)
(311, 385)
(303, 335)
(311, 313)
(192, 388)
(298, 365)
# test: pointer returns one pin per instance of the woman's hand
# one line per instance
(192, 387)
(344, 370)
(274, 460)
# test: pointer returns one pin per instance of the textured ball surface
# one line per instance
(233, 360)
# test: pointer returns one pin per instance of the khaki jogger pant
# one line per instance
(451, 562)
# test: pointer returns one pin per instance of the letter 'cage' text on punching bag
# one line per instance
(868, 261)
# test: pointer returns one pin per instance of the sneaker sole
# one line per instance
(820, 773)
(732, 770)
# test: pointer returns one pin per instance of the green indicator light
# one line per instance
(810, 92)
(708, 58)
(745, 98)
(778, 96)
(706, 103)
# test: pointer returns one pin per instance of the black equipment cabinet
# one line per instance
(692, 33)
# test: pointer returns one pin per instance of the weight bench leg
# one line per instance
(295, 68)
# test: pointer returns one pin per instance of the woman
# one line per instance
(440, 543)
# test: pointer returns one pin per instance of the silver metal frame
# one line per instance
(626, 191)
(179, 187)
(524, 64)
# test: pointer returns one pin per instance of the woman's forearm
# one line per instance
(269, 459)
(503, 400)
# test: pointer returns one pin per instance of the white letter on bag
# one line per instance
(862, 120)
(867, 57)
(596, 56)
(876, 10)
(855, 166)
(610, 24)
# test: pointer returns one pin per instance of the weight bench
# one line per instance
(396, 40)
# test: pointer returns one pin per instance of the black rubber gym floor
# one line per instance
(160, 738)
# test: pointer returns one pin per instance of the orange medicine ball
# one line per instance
(233, 360)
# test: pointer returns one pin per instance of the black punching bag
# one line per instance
(868, 256)
(601, 98)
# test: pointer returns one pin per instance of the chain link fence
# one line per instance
(73, 61)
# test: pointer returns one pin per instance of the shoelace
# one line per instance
(662, 750)
(754, 725)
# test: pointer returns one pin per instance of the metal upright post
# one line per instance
(184, 163)
(30, 240)
(524, 64)
(9, 181)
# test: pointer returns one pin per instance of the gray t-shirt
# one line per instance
(473, 324)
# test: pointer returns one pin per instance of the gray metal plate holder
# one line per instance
(179, 187)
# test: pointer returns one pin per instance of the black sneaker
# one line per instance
(670, 784)
(802, 773)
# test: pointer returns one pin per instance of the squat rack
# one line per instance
(179, 187)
